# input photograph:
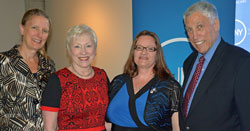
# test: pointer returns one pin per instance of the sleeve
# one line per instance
(52, 94)
(175, 96)
(108, 81)
(52, 65)
(242, 90)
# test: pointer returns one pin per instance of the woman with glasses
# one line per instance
(146, 96)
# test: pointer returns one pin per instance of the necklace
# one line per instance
(84, 76)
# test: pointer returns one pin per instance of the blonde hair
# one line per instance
(36, 12)
(77, 31)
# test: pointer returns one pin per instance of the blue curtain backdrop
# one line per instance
(165, 18)
(242, 24)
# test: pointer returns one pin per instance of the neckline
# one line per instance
(80, 77)
(90, 75)
(145, 88)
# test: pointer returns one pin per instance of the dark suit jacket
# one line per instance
(222, 99)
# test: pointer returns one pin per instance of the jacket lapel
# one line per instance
(208, 77)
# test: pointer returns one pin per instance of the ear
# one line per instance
(216, 25)
(21, 27)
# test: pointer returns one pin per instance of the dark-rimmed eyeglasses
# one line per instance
(141, 48)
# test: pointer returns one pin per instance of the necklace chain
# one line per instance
(90, 74)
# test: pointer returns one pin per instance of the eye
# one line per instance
(188, 29)
(137, 47)
(151, 49)
(34, 27)
(76, 46)
(89, 45)
(45, 31)
(200, 27)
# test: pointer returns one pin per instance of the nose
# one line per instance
(39, 33)
(144, 50)
(195, 35)
(83, 50)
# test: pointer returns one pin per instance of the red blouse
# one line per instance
(80, 103)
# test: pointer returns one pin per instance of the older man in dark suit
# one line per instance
(216, 87)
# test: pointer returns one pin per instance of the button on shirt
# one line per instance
(208, 57)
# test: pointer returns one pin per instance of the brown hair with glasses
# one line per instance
(160, 68)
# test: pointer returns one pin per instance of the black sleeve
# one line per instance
(52, 93)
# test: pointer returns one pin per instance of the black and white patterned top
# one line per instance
(21, 91)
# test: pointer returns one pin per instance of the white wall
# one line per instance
(11, 12)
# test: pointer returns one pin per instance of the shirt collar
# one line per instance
(211, 51)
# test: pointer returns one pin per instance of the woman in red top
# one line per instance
(76, 97)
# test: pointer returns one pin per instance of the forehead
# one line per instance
(38, 20)
(83, 38)
(196, 18)
(146, 40)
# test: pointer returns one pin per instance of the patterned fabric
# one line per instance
(162, 102)
(192, 84)
(82, 103)
(21, 91)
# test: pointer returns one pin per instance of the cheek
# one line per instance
(154, 58)
(73, 52)
(72, 55)
(190, 39)
(136, 55)
(45, 36)
(192, 43)
(92, 52)
(190, 36)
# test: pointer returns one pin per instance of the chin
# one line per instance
(85, 66)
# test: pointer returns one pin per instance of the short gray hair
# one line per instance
(77, 31)
(207, 9)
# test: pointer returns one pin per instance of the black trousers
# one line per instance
(119, 128)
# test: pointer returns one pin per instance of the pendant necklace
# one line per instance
(84, 76)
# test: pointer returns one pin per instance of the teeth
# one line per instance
(83, 58)
(38, 41)
(198, 43)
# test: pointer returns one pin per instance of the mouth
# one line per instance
(199, 42)
(143, 58)
(36, 40)
(86, 58)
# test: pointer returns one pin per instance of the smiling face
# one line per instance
(144, 58)
(35, 32)
(82, 51)
(201, 32)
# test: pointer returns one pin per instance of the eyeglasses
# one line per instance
(141, 48)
